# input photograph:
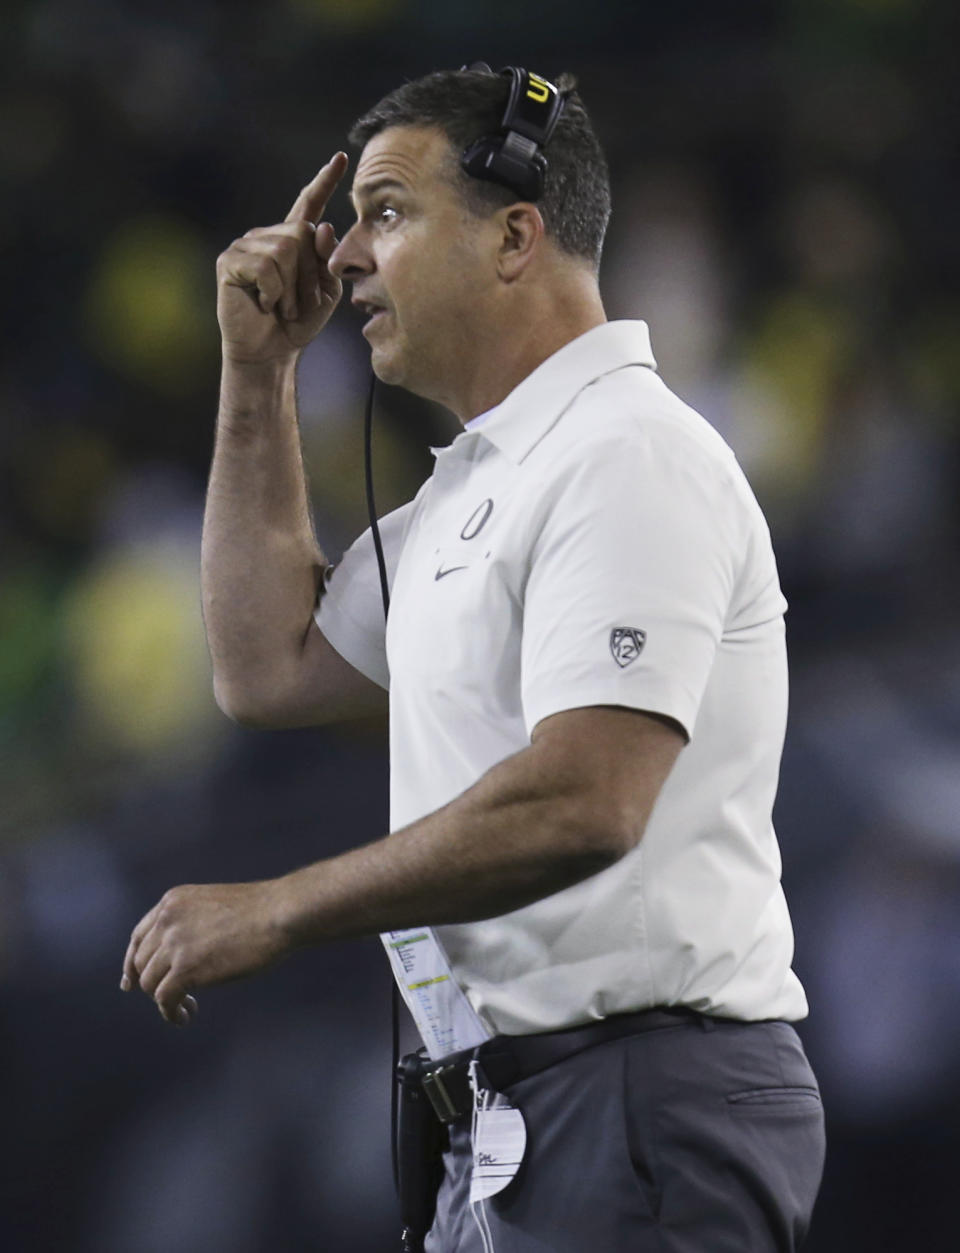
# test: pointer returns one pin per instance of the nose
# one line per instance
(350, 260)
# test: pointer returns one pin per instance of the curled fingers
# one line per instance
(174, 1002)
(161, 979)
(131, 970)
(309, 264)
(254, 265)
(292, 247)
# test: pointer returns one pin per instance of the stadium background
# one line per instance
(785, 181)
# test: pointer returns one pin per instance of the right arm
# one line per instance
(261, 565)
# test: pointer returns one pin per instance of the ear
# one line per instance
(522, 231)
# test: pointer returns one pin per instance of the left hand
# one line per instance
(202, 934)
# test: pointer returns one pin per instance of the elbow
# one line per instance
(606, 832)
(235, 708)
(244, 707)
(274, 705)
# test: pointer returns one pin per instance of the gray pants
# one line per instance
(695, 1138)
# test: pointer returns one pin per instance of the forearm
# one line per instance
(260, 561)
(516, 836)
(572, 803)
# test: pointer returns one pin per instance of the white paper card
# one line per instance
(446, 1020)
(499, 1143)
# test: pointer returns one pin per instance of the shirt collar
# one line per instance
(530, 410)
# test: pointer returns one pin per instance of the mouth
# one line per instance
(372, 311)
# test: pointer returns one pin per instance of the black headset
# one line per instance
(512, 156)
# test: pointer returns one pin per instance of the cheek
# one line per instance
(458, 283)
(433, 285)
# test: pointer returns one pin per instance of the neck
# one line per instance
(519, 339)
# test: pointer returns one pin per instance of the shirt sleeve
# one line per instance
(349, 609)
(631, 575)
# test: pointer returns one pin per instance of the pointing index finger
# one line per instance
(310, 204)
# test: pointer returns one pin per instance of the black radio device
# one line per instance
(513, 156)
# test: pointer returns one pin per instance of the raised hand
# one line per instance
(274, 290)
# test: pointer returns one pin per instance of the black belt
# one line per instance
(506, 1059)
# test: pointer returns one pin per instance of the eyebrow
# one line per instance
(378, 184)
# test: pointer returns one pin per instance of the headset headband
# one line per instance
(512, 157)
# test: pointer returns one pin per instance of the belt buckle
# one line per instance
(440, 1097)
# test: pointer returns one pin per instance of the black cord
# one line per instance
(385, 596)
(371, 506)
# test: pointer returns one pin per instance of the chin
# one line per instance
(386, 367)
(385, 373)
(393, 368)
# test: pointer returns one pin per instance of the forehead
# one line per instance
(413, 156)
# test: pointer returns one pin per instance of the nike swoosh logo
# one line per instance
(441, 573)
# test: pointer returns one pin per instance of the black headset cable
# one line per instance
(385, 597)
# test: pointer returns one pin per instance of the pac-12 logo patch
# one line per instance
(626, 644)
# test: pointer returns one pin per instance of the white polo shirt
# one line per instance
(593, 542)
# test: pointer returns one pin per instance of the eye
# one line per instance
(386, 213)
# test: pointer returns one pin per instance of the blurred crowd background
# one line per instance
(785, 190)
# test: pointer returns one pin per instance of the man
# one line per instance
(587, 684)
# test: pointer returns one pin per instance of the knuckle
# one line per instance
(168, 907)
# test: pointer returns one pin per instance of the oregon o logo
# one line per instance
(477, 520)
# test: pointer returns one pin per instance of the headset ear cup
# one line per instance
(484, 159)
(476, 159)
(538, 174)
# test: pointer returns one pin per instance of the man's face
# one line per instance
(418, 261)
